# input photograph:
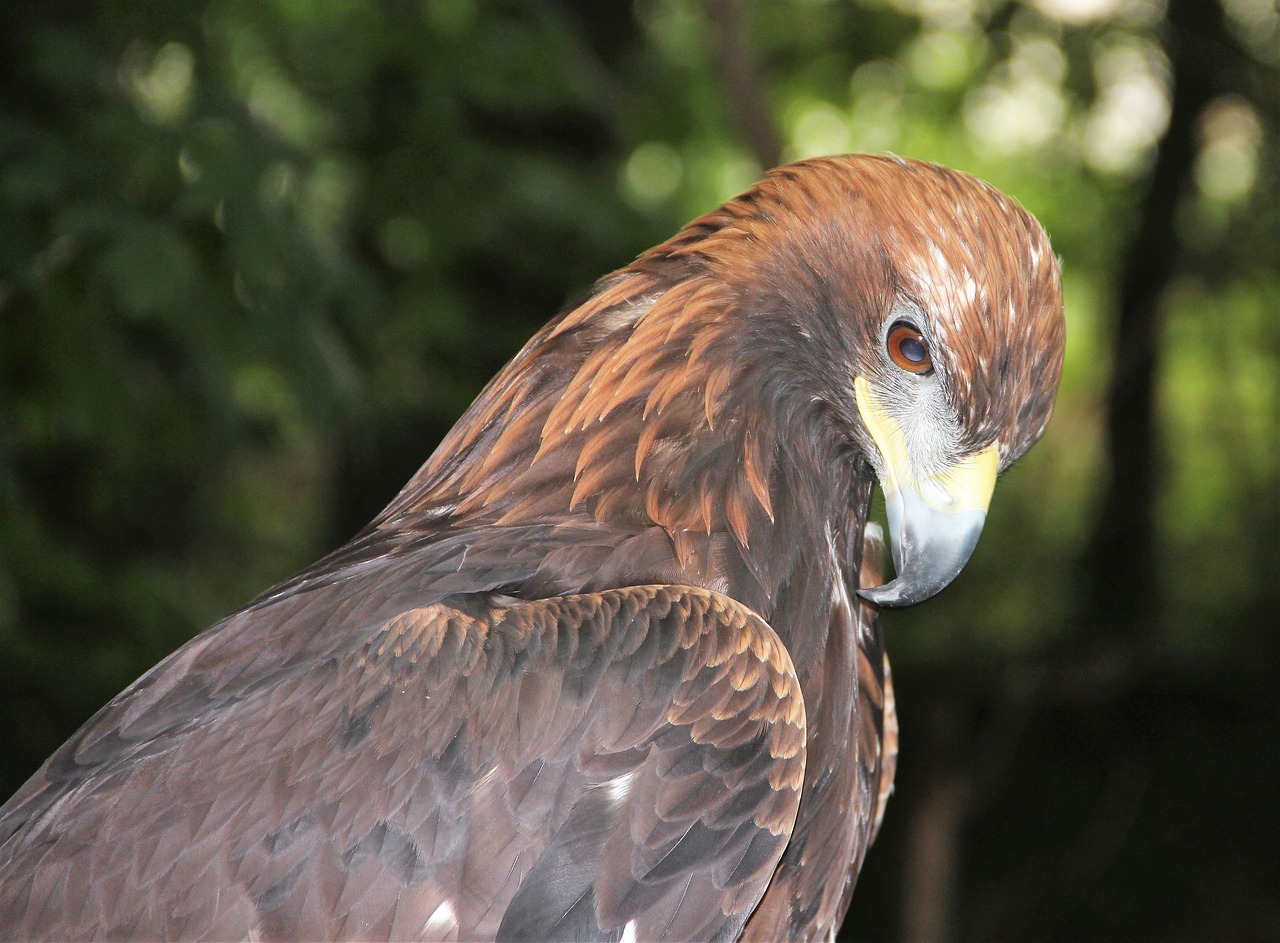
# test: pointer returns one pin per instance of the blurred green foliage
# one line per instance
(258, 255)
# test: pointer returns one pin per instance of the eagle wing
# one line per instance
(624, 764)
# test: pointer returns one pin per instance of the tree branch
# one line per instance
(740, 77)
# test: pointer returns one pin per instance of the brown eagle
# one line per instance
(609, 666)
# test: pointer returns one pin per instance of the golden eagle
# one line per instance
(609, 666)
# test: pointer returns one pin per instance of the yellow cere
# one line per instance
(966, 485)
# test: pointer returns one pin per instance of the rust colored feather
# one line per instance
(737, 514)
(706, 506)
(717, 383)
(758, 467)
(648, 434)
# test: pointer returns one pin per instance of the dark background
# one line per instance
(257, 255)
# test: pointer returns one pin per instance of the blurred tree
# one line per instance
(259, 254)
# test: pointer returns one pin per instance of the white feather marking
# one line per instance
(629, 932)
(840, 600)
(619, 788)
(442, 922)
(939, 257)
(484, 781)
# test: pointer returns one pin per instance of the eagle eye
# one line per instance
(908, 348)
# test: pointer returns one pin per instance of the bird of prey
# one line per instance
(609, 667)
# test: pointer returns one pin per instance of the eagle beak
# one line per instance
(934, 521)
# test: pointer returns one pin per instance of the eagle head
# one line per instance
(960, 378)
(935, 302)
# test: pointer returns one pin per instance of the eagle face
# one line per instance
(933, 305)
(969, 359)
(601, 671)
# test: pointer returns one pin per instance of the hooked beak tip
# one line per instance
(930, 550)
(898, 594)
(882, 596)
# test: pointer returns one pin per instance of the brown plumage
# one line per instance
(601, 669)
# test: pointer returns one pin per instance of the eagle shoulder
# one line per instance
(585, 766)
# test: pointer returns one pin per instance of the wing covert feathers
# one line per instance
(577, 767)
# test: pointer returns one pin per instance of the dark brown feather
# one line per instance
(450, 715)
